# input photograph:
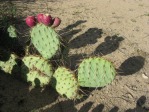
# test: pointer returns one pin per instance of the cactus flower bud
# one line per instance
(56, 22)
(31, 21)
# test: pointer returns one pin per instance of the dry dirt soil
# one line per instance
(117, 30)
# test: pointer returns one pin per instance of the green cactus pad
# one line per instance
(95, 72)
(12, 31)
(9, 65)
(45, 40)
(35, 78)
(36, 64)
(65, 83)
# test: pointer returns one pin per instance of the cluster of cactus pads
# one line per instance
(38, 70)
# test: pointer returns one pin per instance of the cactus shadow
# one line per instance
(88, 90)
(69, 106)
(131, 65)
(98, 108)
(4, 55)
(13, 88)
(68, 32)
(10, 16)
(141, 105)
(110, 44)
(86, 107)
(11, 44)
(21, 97)
(70, 27)
(73, 61)
(89, 37)
(114, 109)
(65, 35)
(58, 107)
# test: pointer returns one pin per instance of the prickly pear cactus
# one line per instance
(45, 40)
(35, 78)
(12, 31)
(9, 65)
(95, 72)
(35, 67)
(65, 83)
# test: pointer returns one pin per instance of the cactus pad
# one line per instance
(12, 31)
(37, 79)
(9, 65)
(39, 67)
(45, 40)
(95, 72)
(65, 83)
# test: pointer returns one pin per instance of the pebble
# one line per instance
(144, 76)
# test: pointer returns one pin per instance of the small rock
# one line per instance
(144, 76)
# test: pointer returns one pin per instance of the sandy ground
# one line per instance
(115, 29)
